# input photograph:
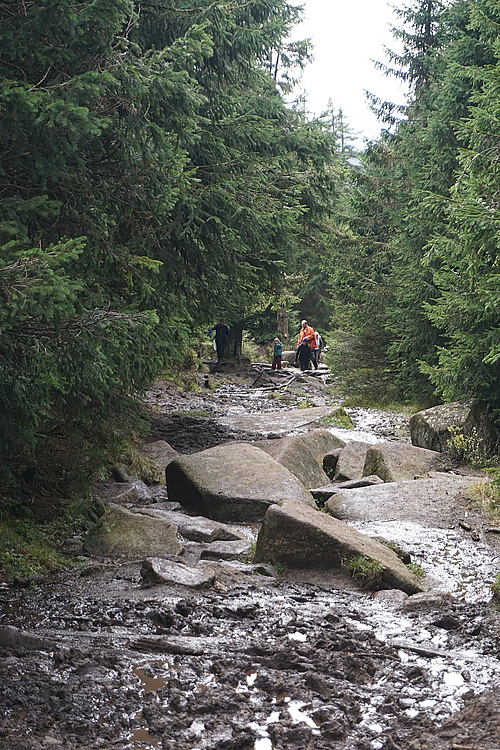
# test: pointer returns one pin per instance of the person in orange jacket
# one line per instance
(307, 336)
(306, 332)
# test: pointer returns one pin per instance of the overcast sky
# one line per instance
(347, 35)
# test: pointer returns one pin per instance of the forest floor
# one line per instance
(89, 658)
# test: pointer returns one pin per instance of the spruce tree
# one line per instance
(465, 258)
(151, 176)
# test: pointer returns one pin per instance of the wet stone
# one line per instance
(427, 601)
(393, 599)
(224, 550)
(155, 571)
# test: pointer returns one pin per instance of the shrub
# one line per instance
(468, 449)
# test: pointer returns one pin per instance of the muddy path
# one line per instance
(91, 658)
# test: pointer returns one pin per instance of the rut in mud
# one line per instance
(93, 659)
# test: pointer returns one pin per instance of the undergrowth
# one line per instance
(367, 401)
(468, 449)
(280, 568)
(364, 570)
(250, 349)
(487, 494)
(495, 587)
(362, 372)
(339, 419)
(29, 541)
(141, 466)
(183, 380)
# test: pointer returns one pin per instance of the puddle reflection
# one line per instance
(149, 684)
(144, 737)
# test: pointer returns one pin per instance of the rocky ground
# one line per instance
(92, 658)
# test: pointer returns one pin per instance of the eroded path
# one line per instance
(92, 659)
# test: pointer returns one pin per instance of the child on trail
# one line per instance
(277, 354)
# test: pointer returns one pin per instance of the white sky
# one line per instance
(347, 35)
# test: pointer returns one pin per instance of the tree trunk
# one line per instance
(235, 341)
(282, 322)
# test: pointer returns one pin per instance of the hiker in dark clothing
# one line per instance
(221, 333)
(304, 356)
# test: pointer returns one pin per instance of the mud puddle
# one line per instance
(274, 664)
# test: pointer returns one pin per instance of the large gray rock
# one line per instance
(351, 460)
(19, 640)
(301, 537)
(236, 573)
(225, 550)
(130, 492)
(196, 528)
(429, 601)
(295, 455)
(431, 428)
(431, 498)
(160, 454)
(156, 571)
(397, 462)
(232, 482)
(121, 533)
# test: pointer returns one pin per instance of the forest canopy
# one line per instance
(151, 178)
(415, 268)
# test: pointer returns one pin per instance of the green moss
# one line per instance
(27, 549)
(305, 405)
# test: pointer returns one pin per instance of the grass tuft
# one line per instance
(495, 587)
(487, 494)
(416, 569)
(280, 568)
(364, 570)
(339, 419)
